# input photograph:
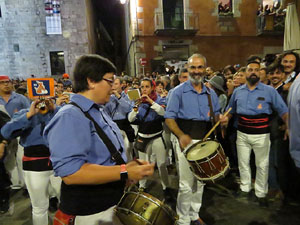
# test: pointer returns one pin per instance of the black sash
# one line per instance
(195, 129)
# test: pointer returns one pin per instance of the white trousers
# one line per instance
(107, 217)
(37, 184)
(128, 146)
(260, 143)
(13, 164)
(156, 152)
(189, 199)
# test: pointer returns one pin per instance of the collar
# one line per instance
(187, 86)
(259, 86)
(84, 103)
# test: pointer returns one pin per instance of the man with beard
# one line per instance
(291, 63)
(253, 103)
(188, 117)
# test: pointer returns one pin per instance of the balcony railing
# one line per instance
(270, 24)
(179, 24)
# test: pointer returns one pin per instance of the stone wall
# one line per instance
(24, 45)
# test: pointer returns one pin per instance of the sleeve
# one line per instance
(18, 123)
(158, 109)
(232, 103)
(215, 102)
(173, 106)
(132, 116)
(69, 148)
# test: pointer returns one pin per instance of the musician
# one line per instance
(118, 108)
(93, 179)
(38, 172)
(149, 142)
(253, 103)
(188, 117)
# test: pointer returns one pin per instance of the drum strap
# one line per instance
(212, 114)
(115, 154)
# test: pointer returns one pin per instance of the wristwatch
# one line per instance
(124, 173)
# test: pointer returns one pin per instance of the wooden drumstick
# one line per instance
(215, 126)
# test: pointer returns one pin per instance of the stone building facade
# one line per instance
(24, 45)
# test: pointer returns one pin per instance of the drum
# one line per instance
(207, 160)
(140, 208)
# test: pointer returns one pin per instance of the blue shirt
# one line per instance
(29, 130)
(294, 120)
(152, 115)
(15, 103)
(119, 108)
(73, 140)
(186, 103)
(261, 100)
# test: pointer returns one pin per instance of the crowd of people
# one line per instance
(95, 139)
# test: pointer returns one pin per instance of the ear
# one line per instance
(91, 84)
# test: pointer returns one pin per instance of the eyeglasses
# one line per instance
(5, 82)
(196, 67)
(111, 82)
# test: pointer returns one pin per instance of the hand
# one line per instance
(139, 170)
(184, 140)
(223, 120)
(2, 149)
(33, 110)
(62, 99)
(147, 98)
(116, 93)
(50, 104)
(286, 135)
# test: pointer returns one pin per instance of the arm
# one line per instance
(158, 109)
(98, 174)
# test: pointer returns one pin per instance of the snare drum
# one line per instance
(140, 208)
(207, 160)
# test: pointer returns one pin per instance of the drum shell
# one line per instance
(211, 167)
(140, 208)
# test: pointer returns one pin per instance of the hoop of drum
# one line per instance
(208, 163)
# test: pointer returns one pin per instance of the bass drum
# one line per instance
(140, 208)
(207, 160)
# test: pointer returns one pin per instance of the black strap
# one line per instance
(212, 114)
(115, 154)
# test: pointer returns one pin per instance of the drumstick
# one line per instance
(215, 126)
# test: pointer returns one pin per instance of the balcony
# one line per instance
(270, 25)
(176, 24)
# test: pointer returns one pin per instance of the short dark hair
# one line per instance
(252, 58)
(147, 79)
(251, 62)
(92, 67)
(274, 66)
(159, 82)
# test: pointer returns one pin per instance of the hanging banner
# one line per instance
(53, 17)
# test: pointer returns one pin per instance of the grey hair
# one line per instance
(198, 55)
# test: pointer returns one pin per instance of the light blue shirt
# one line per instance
(261, 100)
(29, 130)
(294, 120)
(15, 103)
(73, 139)
(119, 108)
(186, 103)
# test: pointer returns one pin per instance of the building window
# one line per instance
(225, 8)
(16, 48)
(0, 12)
(173, 14)
(57, 63)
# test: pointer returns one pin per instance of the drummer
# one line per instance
(87, 149)
(188, 117)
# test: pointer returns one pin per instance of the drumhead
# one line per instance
(202, 150)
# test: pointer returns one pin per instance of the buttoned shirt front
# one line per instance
(186, 103)
(261, 100)
(15, 103)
